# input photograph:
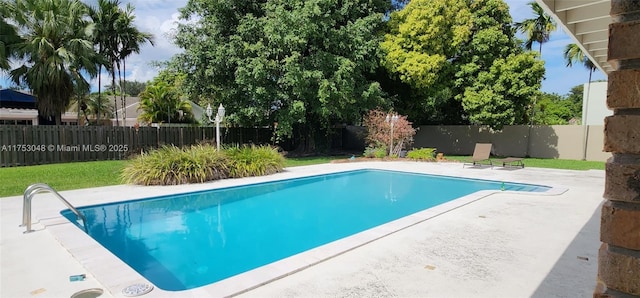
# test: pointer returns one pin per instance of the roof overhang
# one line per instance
(587, 23)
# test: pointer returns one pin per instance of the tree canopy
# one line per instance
(57, 43)
(8, 37)
(55, 47)
(463, 61)
(553, 109)
(130, 88)
(302, 64)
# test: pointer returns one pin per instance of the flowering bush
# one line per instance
(379, 131)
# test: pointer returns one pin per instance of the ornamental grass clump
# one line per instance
(170, 165)
(246, 161)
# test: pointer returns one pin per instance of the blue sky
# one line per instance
(159, 16)
(559, 78)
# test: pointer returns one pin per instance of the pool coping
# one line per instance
(115, 275)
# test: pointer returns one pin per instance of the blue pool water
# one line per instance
(184, 241)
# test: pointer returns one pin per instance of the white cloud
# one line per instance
(158, 17)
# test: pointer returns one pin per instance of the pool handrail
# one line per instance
(36, 188)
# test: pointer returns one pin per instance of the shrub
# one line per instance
(375, 152)
(170, 165)
(426, 154)
(379, 131)
(254, 160)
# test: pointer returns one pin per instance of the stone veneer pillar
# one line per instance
(619, 256)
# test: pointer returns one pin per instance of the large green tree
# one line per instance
(56, 49)
(424, 37)
(423, 40)
(501, 95)
(553, 109)
(464, 61)
(496, 81)
(301, 63)
(575, 98)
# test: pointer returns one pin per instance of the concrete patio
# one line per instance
(502, 244)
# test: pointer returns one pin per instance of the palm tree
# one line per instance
(104, 17)
(79, 104)
(538, 29)
(160, 103)
(91, 106)
(99, 106)
(116, 38)
(8, 38)
(56, 48)
(573, 53)
(130, 40)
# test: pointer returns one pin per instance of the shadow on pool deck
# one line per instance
(580, 257)
(520, 245)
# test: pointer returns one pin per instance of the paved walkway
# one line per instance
(502, 245)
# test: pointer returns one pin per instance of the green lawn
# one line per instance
(102, 173)
(62, 176)
(314, 160)
(549, 163)
(65, 176)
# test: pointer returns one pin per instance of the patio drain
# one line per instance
(137, 290)
(88, 293)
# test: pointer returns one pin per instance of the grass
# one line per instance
(102, 173)
(313, 160)
(62, 176)
(566, 164)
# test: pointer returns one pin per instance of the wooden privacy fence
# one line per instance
(22, 145)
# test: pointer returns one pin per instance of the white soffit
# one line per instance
(587, 23)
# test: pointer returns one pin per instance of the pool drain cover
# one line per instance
(137, 290)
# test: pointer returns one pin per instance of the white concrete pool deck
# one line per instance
(503, 244)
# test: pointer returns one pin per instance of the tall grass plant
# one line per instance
(170, 165)
(246, 161)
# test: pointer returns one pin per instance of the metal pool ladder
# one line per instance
(36, 188)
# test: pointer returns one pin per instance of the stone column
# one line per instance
(619, 256)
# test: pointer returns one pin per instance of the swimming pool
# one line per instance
(185, 241)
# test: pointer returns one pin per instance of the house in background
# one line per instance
(131, 113)
(19, 108)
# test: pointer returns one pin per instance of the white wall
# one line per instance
(596, 110)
